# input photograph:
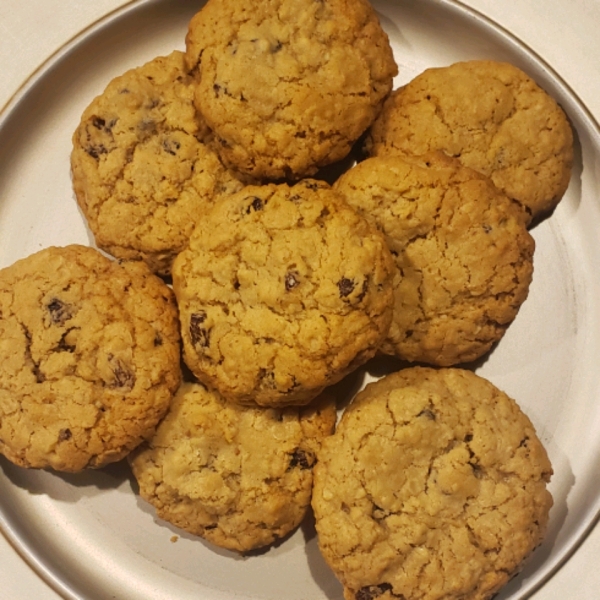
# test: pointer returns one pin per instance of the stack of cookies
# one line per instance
(309, 218)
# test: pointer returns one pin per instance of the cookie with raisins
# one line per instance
(239, 477)
(434, 485)
(282, 291)
(89, 358)
(288, 86)
(142, 167)
(494, 118)
(464, 257)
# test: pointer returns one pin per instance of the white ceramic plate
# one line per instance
(89, 535)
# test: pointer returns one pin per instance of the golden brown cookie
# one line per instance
(491, 116)
(143, 171)
(464, 257)
(288, 85)
(239, 477)
(282, 291)
(433, 486)
(89, 358)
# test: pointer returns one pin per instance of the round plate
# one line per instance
(89, 535)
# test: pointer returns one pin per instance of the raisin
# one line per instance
(256, 204)
(291, 280)
(123, 377)
(171, 147)
(222, 142)
(199, 335)
(64, 434)
(369, 592)
(301, 458)
(96, 151)
(98, 122)
(346, 286)
(60, 312)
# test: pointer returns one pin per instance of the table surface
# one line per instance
(562, 32)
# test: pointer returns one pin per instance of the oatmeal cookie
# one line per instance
(464, 257)
(494, 118)
(89, 358)
(142, 166)
(239, 477)
(432, 487)
(282, 291)
(288, 85)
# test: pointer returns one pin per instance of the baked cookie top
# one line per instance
(282, 291)
(494, 118)
(89, 358)
(464, 257)
(142, 167)
(288, 85)
(239, 477)
(432, 486)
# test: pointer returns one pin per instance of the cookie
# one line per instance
(282, 291)
(433, 486)
(494, 118)
(464, 257)
(288, 85)
(239, 477)
(89, 358)
(142, 166)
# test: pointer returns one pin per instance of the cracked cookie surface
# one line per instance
(239, 477)
(464, 257)
(142, 166)
(89, 358)
(288, 85)
(282, 291)
(491, 116)
(432, 487)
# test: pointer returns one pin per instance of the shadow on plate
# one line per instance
(320, 571)
(68, 487)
